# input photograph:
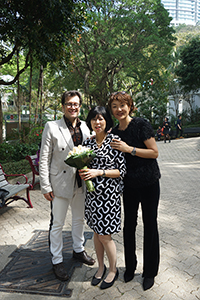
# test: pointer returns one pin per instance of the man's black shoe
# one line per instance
(84, 258)
(60, 272)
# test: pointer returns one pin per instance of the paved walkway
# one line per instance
(179, 228)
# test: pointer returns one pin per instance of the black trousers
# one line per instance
(149, 198)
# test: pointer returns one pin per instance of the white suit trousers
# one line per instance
(59, 208)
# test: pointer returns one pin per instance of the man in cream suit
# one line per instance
(61, 184)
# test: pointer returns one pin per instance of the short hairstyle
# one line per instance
(104, 112)
(121, 97)
(70, 94)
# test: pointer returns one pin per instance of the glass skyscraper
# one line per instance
(183, 11)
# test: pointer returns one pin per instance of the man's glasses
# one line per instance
(75, 105)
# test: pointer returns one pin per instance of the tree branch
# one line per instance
(2, 82)
(9, 57)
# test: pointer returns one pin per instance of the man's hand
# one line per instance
(49, 196)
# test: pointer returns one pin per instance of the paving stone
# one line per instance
(179, 223)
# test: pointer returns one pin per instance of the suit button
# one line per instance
(64, 171)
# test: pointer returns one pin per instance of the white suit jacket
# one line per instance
(55, 174)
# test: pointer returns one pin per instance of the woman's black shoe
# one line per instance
(128, 277)
(106, 285)
(148, 283)
(95, 280)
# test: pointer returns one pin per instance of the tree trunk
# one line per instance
(18, 96)
(1, 122)
(86, 83)
(30, 89)
(41, 93)
(38, 94)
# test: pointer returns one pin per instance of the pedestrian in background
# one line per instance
(159, 133)
(179, 127)
(141, 185)
(166, 129)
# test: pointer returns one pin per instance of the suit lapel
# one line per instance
(66, 133)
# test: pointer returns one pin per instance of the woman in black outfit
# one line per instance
(141, 186)
(166, 131)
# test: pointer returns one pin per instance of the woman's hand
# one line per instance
(121, 146)
(87, 174)
(150, 152)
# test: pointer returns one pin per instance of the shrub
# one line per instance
(35, 135)
(16, 151)
(17, 167)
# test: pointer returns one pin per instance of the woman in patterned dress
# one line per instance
(103, 206)
(141, 185)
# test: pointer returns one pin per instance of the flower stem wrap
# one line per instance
(79, 158)
(89, 183)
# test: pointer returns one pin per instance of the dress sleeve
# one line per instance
(120, 161)
(146, 130)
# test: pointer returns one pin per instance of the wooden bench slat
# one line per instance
(3, 184)
(2, 177)
(14, 189)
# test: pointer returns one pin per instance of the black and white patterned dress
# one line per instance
(103, 206)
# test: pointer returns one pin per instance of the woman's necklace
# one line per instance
(98, 144)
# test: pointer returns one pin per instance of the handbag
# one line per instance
(3, 194)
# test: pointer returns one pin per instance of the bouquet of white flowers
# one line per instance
(79, 158)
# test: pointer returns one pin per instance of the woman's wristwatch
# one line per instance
(104, 174)
(133, 152)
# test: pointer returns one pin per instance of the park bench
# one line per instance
(192, 131)
(14, 189)
(187, 132)
(35, 170)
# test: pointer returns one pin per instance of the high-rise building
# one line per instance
(183, 11)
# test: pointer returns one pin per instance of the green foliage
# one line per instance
(84, 111)
(151, 103)
(185, 33)
(35, 135)
(173, 119)
(29, 135)
(191, 118)
(188, 70)
(16, 151)
(120, 42)
(38, 28)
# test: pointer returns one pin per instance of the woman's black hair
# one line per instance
(104, 112)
